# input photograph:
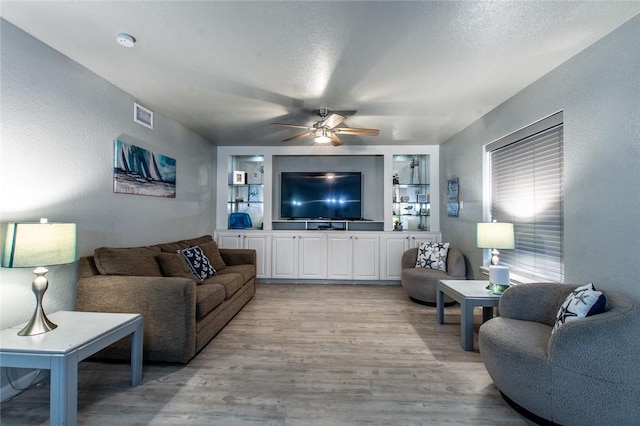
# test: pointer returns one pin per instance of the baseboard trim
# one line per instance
(326, 282)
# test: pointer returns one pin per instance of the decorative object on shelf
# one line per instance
(415, 171)
(142, 115)
(452, 197)
(34, 244)
(404, 199)
(396, 179)
(253, 194)
(240, 221)
(494, 236)
(397, 224)
(239, 177)
(423, 198)
(141, 172)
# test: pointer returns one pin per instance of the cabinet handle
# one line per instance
(239, 235)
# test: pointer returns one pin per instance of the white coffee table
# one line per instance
(469, 293)
(78, 336)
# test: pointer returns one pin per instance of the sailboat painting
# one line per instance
(142, 172)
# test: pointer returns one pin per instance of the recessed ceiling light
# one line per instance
(126, 40)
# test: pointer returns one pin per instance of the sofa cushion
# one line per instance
(231, 281)
(213, 254)
(139, 261)
(208, 297)
(174, 265)
(432, 255)
(198, 262)
(247, 271)
(584, 301)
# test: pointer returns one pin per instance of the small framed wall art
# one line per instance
(239, 177)
(453, 197)
(142, 115)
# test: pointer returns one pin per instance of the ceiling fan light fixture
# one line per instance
(322, 136)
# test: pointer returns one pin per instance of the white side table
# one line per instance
(469, 293)
(78, 336)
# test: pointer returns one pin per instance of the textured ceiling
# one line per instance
(418, 71)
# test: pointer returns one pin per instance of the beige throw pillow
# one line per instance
(174, 265)
(138, 261)
(212, 252)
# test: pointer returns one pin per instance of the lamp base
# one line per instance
(39, 322)
(497, 288)
(498, 279)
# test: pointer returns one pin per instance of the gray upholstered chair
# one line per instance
(420, 283)
(585, 373)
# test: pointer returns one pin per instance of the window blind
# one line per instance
(526, 177)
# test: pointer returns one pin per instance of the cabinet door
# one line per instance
(312, 257)
(232, 240)
(366, 257)
(340, 258)
(284, 256)
(393, 247)
(261, 244)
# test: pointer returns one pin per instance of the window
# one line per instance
(526, 179)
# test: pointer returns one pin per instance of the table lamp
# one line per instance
(35, 244)
(494, 236)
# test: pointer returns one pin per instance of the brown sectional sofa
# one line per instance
(181, 313)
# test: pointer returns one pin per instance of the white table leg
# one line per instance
(136, 354)
(466, 325)
(64, 390)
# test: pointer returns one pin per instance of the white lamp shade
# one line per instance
(495, 235)
(39, 244)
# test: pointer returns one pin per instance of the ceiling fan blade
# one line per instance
(301, 135)
(335, 140)
(297, 126)
(355, 131)
(333, 120)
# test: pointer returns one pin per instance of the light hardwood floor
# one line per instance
(301, 355)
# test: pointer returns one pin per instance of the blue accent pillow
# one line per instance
(198, 262)
(583, 302)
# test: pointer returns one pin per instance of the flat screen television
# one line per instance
(321, 195)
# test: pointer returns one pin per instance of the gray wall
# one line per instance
(59, 121)
(599, 92)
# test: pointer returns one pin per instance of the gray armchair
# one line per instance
(420, 283)
(585, 373)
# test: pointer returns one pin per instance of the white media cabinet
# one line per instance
(326, 254)
(400, 186)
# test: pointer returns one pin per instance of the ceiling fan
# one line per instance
(326, 130)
